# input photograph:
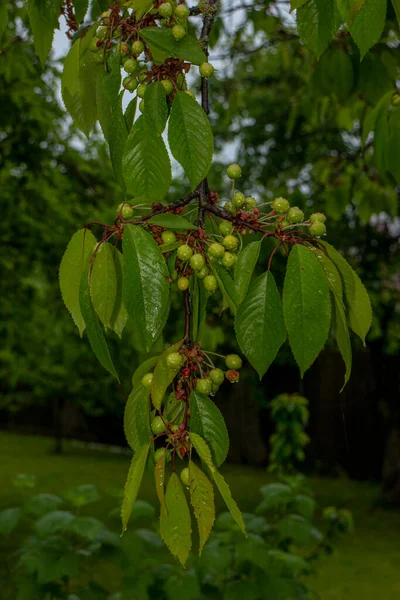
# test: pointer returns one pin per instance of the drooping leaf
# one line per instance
(156, 109)
(296, 4)
(259, 324)
(163, 45)
(130, 113)
(137, 417)
(93, 327)
(296, 528)
(54, 521)
(244, 268)
(202, 450)
(146, 288)
(331, 272)
(202, 500)
(144, 368)
(87, 527)
(74, 262)
(359, 311)
(306, 306)
(43, 17)
(103, 283)
(146, 167)
(9, 519)
(368, 24)
(348, 9)
(225, 492)
(119, 316)
(3, 16)
(275, 495)
(141, 7)
(190, 137)
(207, 421)
(317, 22)
(396, 6)
(42, 504)
(81, 7)
(133, 482)
(226, 285)
(170, 221)
(159, 478)
(163, 376)
(175, 524)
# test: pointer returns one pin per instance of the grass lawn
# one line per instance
(365, 566)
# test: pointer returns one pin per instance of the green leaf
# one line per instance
(9, 519)
(170, 221)
(87, 527)
(368, 24)
(141, 7)
(229, 501)
(370, 120)
(393, 152)
(130, 113)
(3, 16)
(143, 369)
(145, 165)
(156, 110)
(202, 450)
(396, 6)
(190, 137)
(244, 268)
(94, 330)
(119, 316)
(163, 376)
(331, 272)
(42, 504)
(103, 283)
(133, 482)
(381, 138)
(259, 324)
(81, 7)
(207, 421)
(226, 285)
(359, 314)
(202, 500)
(175, 524)
(317, 22)
(82, 495)
(275, 495)
(163, 45)
(146, 288)
(304, 506)
(348, 9)
(43, 17)
(296, 4)
(306, 306)
(74, 262)
(297, 529)
(54, 521)
(137, 417)
(159, 478)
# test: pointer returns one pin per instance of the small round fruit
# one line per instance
(318, 228)
(295, 215)
(141, 90)
(228, 206)
(182, 12)
(168, 237)
(137, 47)
(232, 376)
(203, 273)
(225, 228)
(174, 360)
(216, 250)
(318, 216)
(93, 47)
(185, 252)
(285, 223)
(281, 205)
(234, 171)
(123, 49)
(217, 376)
(147, 379)
(183, 283)
(238, 199)
(204, 386)
(228, 260)
(173, 428)
(130, 65)
(190, 93)
(233, 361)
(166, 10)
(214, 389)
(127, 211)
(197, 262)
(206, 69)
(178, 32)
(141, 106)
(99, 57)
(130, 83)
(185, 478)
(101, 32)
(168, 86)
(230, 242)
(251, 201)
(210, 283)
(157, 426)
(158, 454)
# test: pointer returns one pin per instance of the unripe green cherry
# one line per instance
(174, 360)
(185, 252)
(295, 215)
(281, 205)
(233, 361)
(183, 283)
(157, 426)
(225, 228)
(210, 283)
(137, 47)
(178, 32)
(158, 454)
(285, 223)
(130, 83)
(238, 199)
(217, 376)
(147, 379)
(127, 211)
(251, 201)
(141, 90)
(168, 86)
(230, 242)
(228, 260)
(228, 206)
(191, 94)
(101, 32)
(317, 228)
(318, 216)
(185, 477)
(131, 65)
(182, 12)
(206, 70)
(166, 10)
(168, 237)
(203, 273)
(216, 250)
(197, 262)
(234, 171)
(204, 386)
(93, 47)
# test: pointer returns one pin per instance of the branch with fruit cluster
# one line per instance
(200, 245)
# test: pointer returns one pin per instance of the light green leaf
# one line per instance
(156, 109)
(133, 482)
(296, 4)
(81, 7)
(226, 285)
(159, 478)
(3, 15)
(259, 324)
(306, 306)
(175, 523)
(190, 137)
(202, 450)
(348, 9)
(170, 221)
(331, 272)
(119, 315)
(9, 519)
(163, 45)
(202, 500)
(229, 501)
(103, 283)
(93, 328)
(74, 262)
(146, 288)
(368, 24)
(207, 421)
(244, 268)
(317, 22)
(43, 17)
(145, 165)
(359, 311)
(137, 417)
(141, 7)
(163, 376)
(142, 370)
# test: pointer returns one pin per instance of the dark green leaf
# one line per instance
(133, 482)
(141, 7)
(87, 527)
(304, 506)
(244, 268)
(175, 523)
(226, 285)
(159, 478)
(81, 7)
(317, 22)
(119, 316)
(170, 221)
(43, 17)
(207, 421)
(130, 113)
(202, 500)
(163, 376)
(82, 495)
(9, 520)
(348, 9)
(103, 283)
(229, 501)
(368, 24)
(396, 6)
(156, 109)
(3, 15)
(297, 529)
(41, 504)
(57, 520)
(275, 495)
(163, 45)
(137, 417)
